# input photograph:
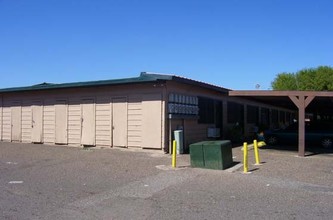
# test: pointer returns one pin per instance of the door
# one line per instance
(37, 122)
(16, 121)
(152, 121)
(1, 121)
(88, 122)
(61, 115)
(119, 122)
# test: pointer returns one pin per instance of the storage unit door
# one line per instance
(119, 122)
(37, 123)
(16, 122)
(152, 121)
(61, 115)
(88, 122)
(1, 121)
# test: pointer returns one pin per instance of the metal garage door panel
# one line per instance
(88, 122)
(37, 122)
(119, 122)
(152, 121)
(61, 117)
(16, 121)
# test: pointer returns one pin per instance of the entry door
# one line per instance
(61, 114)
(152, 121)
(119, 122)
(16, 121)
(37, 122)
(88, 122)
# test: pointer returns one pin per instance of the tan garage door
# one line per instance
(119, 122)
(61, 115)
(37, 122)
(88, 122)
(152, 121)
(16, 121)
(1, 121)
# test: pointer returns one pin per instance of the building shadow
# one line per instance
(309, 149)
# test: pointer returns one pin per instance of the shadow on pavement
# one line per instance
(310, 150)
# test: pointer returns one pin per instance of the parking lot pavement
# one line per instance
(59, 182)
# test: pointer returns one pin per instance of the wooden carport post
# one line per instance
(301, 102)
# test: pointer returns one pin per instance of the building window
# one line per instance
(235, 113)
(265, 117)
(282, 117)
(252, 114)
(288, 117)
(275, 118)
(206, 110)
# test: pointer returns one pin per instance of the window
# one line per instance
(252, 114)
(206, 110)
(288, 117)
(275, 118)
(282, 117)
(265, 117)
(235, 113)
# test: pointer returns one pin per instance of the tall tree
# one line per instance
(311, 79)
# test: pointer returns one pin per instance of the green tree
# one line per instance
(311, 79)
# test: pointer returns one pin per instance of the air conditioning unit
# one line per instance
(213, 132)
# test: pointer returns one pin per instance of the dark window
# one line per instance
(282, 116)
(275, 118)
(206, 110)
(235, 113)
(288, 117)
(252, 114)
(265, 116)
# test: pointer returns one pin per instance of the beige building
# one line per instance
(137, 112)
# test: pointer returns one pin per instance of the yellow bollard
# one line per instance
(256, 152)
(245, 159)
(174, 153)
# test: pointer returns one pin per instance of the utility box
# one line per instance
(196, 155)
(211, 154)
(179, 140)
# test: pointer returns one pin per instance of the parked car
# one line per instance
(316, 132)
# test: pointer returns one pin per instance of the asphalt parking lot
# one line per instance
(60, 182)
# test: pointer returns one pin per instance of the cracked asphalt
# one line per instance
(61, 182)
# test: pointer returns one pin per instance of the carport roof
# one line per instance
(143, 78)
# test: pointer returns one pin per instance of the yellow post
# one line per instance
(256, 152)
(245, 159)
(174, 153)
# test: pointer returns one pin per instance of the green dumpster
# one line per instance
(211, 154)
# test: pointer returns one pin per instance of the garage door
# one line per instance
(16, 121)
(37, 122)
(119, 122)
(88, 122)
(61, 115)
(152, 121)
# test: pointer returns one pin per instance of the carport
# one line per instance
(315, 100)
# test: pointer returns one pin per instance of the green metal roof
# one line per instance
(143, 78)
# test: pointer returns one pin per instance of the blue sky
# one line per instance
(234, 44)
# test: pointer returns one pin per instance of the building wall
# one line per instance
(120, 115)
(69, 109)
(195, 131)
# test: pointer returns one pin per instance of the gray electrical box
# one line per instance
(179, 139)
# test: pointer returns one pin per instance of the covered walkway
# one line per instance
(314, 100)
